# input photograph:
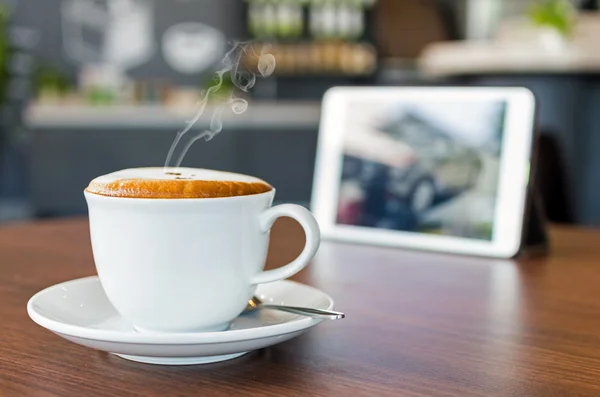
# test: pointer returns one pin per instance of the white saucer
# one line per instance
(79, 311)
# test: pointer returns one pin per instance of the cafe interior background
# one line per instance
(89, 87)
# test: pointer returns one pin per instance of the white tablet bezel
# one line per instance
(515, 158)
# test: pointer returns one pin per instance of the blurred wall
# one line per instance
(44, 15)
(71, 158)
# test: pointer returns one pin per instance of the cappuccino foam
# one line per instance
(173, 183)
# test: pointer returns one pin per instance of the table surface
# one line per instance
(418, 324)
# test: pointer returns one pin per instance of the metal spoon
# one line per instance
(255, 303)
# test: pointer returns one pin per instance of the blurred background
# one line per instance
(92, 86)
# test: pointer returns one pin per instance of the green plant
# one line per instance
(4, 51)
(49, 79)
(224, 90)
(557, 14)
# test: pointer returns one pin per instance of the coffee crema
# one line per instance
(176, 183)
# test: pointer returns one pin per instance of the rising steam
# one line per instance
(241, 78)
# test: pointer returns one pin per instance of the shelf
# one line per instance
(519, 48)
(451, 59)
(260, 115)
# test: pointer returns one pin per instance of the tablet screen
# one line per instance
(426, 167)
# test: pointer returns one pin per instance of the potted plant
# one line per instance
(555, 19)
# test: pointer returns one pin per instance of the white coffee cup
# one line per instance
(188, 265)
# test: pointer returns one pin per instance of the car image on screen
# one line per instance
(394, 174)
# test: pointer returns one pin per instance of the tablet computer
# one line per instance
(436, 168)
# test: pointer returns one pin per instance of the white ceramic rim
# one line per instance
(96, 196)
(171, 338)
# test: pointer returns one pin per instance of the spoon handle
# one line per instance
(306, 311)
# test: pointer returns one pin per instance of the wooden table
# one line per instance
(417, 325)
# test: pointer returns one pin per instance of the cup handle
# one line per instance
(311, 231)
